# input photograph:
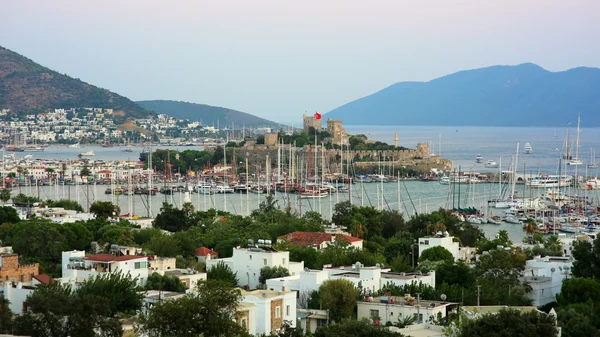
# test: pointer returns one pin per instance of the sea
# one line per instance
(459, 144)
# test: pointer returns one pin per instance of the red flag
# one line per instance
(317, 116)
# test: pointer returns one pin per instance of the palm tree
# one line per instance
(530, 226)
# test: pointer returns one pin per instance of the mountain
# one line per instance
(209, 115)
(27, 87)
(521, 95)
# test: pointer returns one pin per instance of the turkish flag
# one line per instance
(317, 116)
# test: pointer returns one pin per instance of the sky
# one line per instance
(279, 58)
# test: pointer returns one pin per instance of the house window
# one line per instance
(265, 261)
(245, 323)
(277, 312)
(287, 310)
(22, 278)
(418, 318)
(140, 265)
(373, 313)
(283, 261)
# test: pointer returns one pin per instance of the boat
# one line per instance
(473, 219)
(205, 189)
(512, 219)
(224, 189)
(240, 188)
(494, 219)
(88, 154)
(491, 164)
(479, 158)
(593, 163)
(576, 161)
(591, 184)
(527, 149)
(313, 194)
(445, 180)
(75, 146)
(549, 180)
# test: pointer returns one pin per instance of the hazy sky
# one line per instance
(278, 58)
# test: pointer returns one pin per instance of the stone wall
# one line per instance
(11, 269)
(276, 323)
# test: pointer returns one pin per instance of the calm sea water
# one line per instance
(463, 144)
(459, 144)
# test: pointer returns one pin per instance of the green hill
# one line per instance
(207, 114)
(27, 87)
(521, 95)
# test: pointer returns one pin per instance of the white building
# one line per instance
(391, 308)
(546, 275)
(247, 263)
(76, 267)
(371, 279)
(440, 239)
(273, 309)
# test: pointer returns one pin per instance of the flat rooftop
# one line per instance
(400, 300)
(157, 294)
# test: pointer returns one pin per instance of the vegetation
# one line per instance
(510, 323)
(164, 282)
(272, 272)
(354, 328)
(22, 199)
(339, 297)
(211, 312)
(64, 203)
(221, 272)
(437, 253)
(105, 209)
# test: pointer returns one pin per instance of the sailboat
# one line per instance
(576, 161)
(593, 163)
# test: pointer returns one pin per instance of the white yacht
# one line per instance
(491, 164)
(592, 184)
(224, 189)
(88, 154)
(549, 180)
(75, 146)
(479, 158)
(528, 149)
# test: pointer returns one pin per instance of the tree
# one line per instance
(499, 273)
(8, 215)
(211, 312)
(579, 290)
(5, 315)
(530, 226)
(587, 259)
(118, 289)
(222, 272)
(436, 253)
(65, 203)
(272, 272)
(510, 322)
(173, 219)
(455, 274)
(105, 209)
(353, 328)
(339, 296)
(164, 282)
(5, 195)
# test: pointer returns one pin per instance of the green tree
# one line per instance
(222, 272)
(8, 215)
(437, 253)
(164, 282)
(587, 259)
(499, 272)
(65, 203)
(455, 274)
(5, 195)
(579, 290)
(511, 323)
(272, 272)
(5, 315)
(339, 296)
(105, 209)
(211, 312)
(353, 328)
(173, 219)
(118, 289)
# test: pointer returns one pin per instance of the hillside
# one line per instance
(27, 87)
(522, 95)
(208, 114)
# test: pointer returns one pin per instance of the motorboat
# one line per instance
(512, 219)
(88, 154)
(445, 180)
(528, 149)
(205, 189)
(224, 189)
(592, 184)
(479, 158)
(75, 146)
(549, 180)
(313, 194)
(491, 164)
(473, 219)
(494, 219)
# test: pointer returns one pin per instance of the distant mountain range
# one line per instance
(27, 87)
(522, 95)
(207, 114)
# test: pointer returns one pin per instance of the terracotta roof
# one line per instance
(111, 258)
(44, 278)
(306, 239)
(203, 251)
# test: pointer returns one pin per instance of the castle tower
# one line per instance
(396, 139)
